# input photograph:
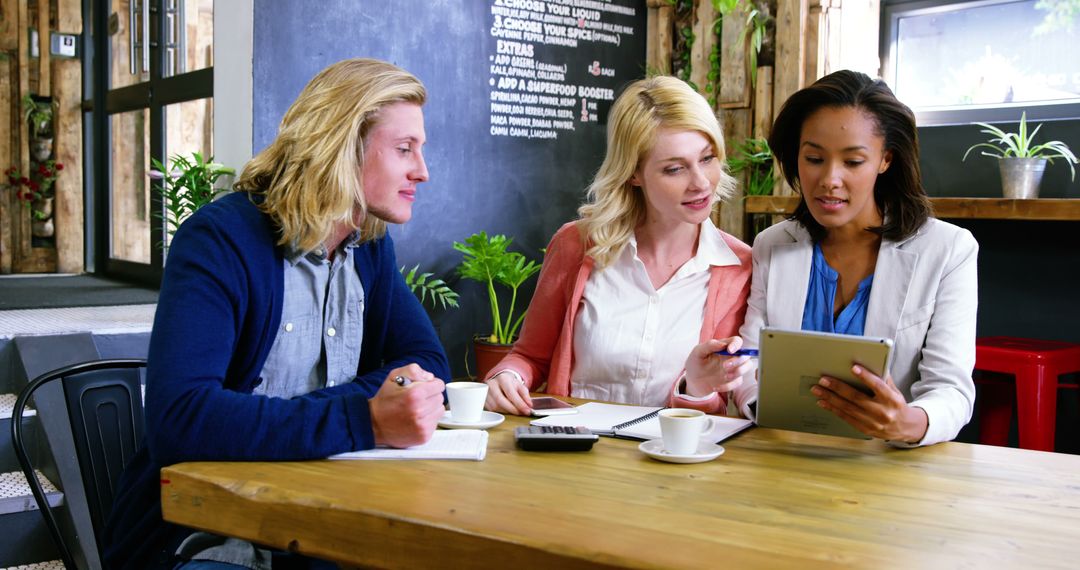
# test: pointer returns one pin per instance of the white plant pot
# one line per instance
(1020, 177)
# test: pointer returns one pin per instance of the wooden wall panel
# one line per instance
(8, 127)
(44, 57)
(763, 103)
(68, 206)
(734, 72)
(791, 19)
(788, 74)
(736, 123)
(9, 18)
(704, 40)
(665, 40)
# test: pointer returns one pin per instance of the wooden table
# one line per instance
(775, 499)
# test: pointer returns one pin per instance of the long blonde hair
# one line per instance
(614, 207)
(309, 177)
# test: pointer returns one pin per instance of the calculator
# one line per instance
(554, 438)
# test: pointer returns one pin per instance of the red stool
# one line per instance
(1036, 365)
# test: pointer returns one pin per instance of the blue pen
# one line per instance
(740, 352)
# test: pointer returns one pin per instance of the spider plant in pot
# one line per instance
(487, 261)
(1022, 162)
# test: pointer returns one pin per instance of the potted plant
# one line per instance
(39, 115)
(37, 191)
(487, 261)
(1021, 161)
(187, 186)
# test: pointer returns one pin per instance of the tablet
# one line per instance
(794, 361)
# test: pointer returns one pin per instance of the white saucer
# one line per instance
(487, 420)
(706, 452)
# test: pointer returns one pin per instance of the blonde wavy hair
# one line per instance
(309, 177)
(614, 207)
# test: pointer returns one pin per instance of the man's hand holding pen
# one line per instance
(406, 409)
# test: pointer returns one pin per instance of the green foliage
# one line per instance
(486, 260)
(1060, 15)
(1022, 145)
(40, 116)
(423, 286)
(755, 30)
(755, 158)
(186, 186)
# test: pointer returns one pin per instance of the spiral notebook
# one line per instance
(634, 422)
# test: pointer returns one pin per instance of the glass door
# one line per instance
(155, 101)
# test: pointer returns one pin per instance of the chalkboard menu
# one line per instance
(518, 96)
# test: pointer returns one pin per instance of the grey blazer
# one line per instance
(924, 297)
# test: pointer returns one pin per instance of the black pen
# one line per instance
(740, 352)
(402, 381)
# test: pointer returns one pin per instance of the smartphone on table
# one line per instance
(548, 406)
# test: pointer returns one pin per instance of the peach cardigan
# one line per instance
(544, 351)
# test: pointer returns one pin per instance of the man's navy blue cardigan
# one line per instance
(217, 316)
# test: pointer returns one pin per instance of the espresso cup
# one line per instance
(466, 401)
(682, 429)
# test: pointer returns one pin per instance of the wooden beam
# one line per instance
(791, 19)
(44, 87)
(731, 216)
(763, 103)
(734, 68)
(20, 222)
(8, 129)
(665, 44)
(9, 18)
(652, 37)
(1047, 209)
(67, 91)
(704, 40)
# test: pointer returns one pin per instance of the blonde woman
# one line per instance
(637, 295)
(282, 321)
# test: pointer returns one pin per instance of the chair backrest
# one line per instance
(104, 403)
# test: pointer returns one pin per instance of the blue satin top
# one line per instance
(820, 297)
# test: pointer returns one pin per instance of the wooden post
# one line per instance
(736, 123)
(44, 87)
(734, 70)
(658, 36)
(788, 74)
(704, 40)
(763, 103)
(67, 91)
(9, 124)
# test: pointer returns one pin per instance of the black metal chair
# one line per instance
(104, 403)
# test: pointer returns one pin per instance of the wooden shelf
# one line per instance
(956, 208)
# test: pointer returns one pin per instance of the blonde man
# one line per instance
(282, 321)
(637, 295)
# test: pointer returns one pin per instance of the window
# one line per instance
(987, 60)
(151, 98)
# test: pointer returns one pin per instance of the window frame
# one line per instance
(891, 14)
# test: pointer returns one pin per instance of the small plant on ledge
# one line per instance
(1021, 161)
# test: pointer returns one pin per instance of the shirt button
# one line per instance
(330, 331)
(288, 327)
(653, 300)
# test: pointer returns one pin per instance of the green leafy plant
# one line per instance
(756, 28)
(40, 116)
(1021, 144)
(487, 261)
(186, 186)
(755, 158)
(427, 289)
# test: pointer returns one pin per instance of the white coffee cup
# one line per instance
(682, 429)
(466, 401)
